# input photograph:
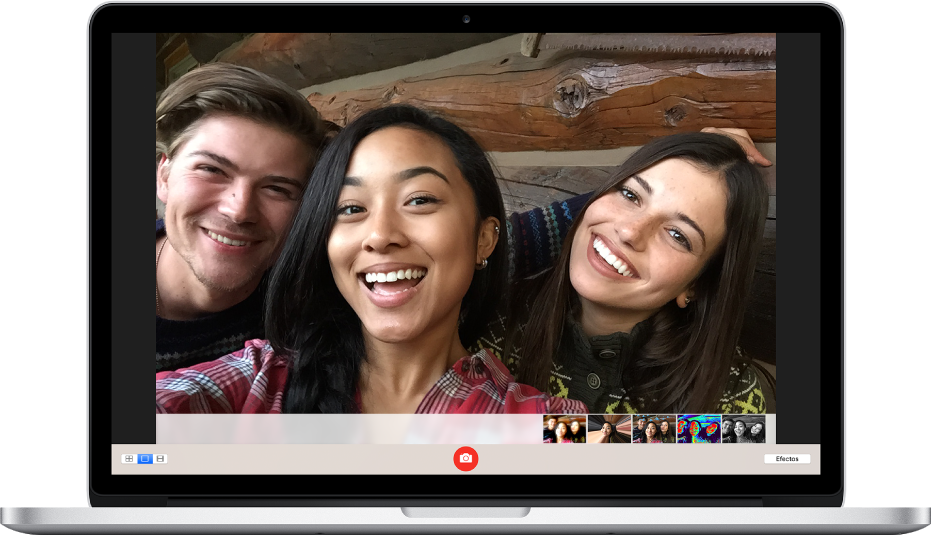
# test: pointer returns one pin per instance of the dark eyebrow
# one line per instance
(406, 174)
(224, 161)
(689, 221)
(643, 184)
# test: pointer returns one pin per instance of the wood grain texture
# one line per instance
(581, 100)
(304, 59)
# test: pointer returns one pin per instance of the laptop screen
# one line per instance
(437, 254)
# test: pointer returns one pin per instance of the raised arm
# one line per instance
(536, 236)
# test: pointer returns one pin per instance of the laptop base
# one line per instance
(466, 520)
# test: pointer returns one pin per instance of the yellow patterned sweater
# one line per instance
(590, 371)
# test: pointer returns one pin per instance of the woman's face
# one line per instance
(404, 248)
(739, 428)
(755, 430)
(650, 430)
(641, 245)
(664, 427)
(561, 429)
(575, 427)
(606, 429)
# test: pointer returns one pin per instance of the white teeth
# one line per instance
(227, 241)
(393, 276)
(610, 258)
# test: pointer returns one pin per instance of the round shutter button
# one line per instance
(465, 459)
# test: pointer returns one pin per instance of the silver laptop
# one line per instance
(557, 112)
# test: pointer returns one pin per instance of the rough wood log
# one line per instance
(581, 100)
(305, 59)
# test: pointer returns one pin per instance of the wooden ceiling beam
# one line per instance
(581, 100)
(305, 59)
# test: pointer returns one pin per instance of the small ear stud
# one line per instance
(497, 229)
(483, 265)
(688, 300)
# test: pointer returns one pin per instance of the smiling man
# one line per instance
(235, 149)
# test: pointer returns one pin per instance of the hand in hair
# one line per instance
(743, 139)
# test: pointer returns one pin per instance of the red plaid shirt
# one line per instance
(252, 381)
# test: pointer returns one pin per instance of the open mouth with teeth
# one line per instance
(393, 282)
(223, 239)
(612, 260)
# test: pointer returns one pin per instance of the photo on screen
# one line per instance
(286, 282)
(743, 429)
(609, 428)
(654, 429)
(699, 428)
(564, 429)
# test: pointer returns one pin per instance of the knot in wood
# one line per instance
(675, 114)
(390, 94)
(570, 97)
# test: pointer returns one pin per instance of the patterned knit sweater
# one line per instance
(180, 344)
(590, 369)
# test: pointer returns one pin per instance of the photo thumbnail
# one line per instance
(743, 429)
(654, 429)
(609, 428)
(699, 428)
(563, 429)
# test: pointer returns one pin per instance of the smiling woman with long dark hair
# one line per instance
(643, 308)
(666, 433)
(650, 435)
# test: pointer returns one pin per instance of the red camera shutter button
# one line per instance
(465, 459)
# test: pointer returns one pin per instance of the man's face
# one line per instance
(230, 193)
(726, 426)
(551, 424)
(640, 423)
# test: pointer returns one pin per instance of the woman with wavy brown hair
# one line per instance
(666, 434)
(644, 306)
